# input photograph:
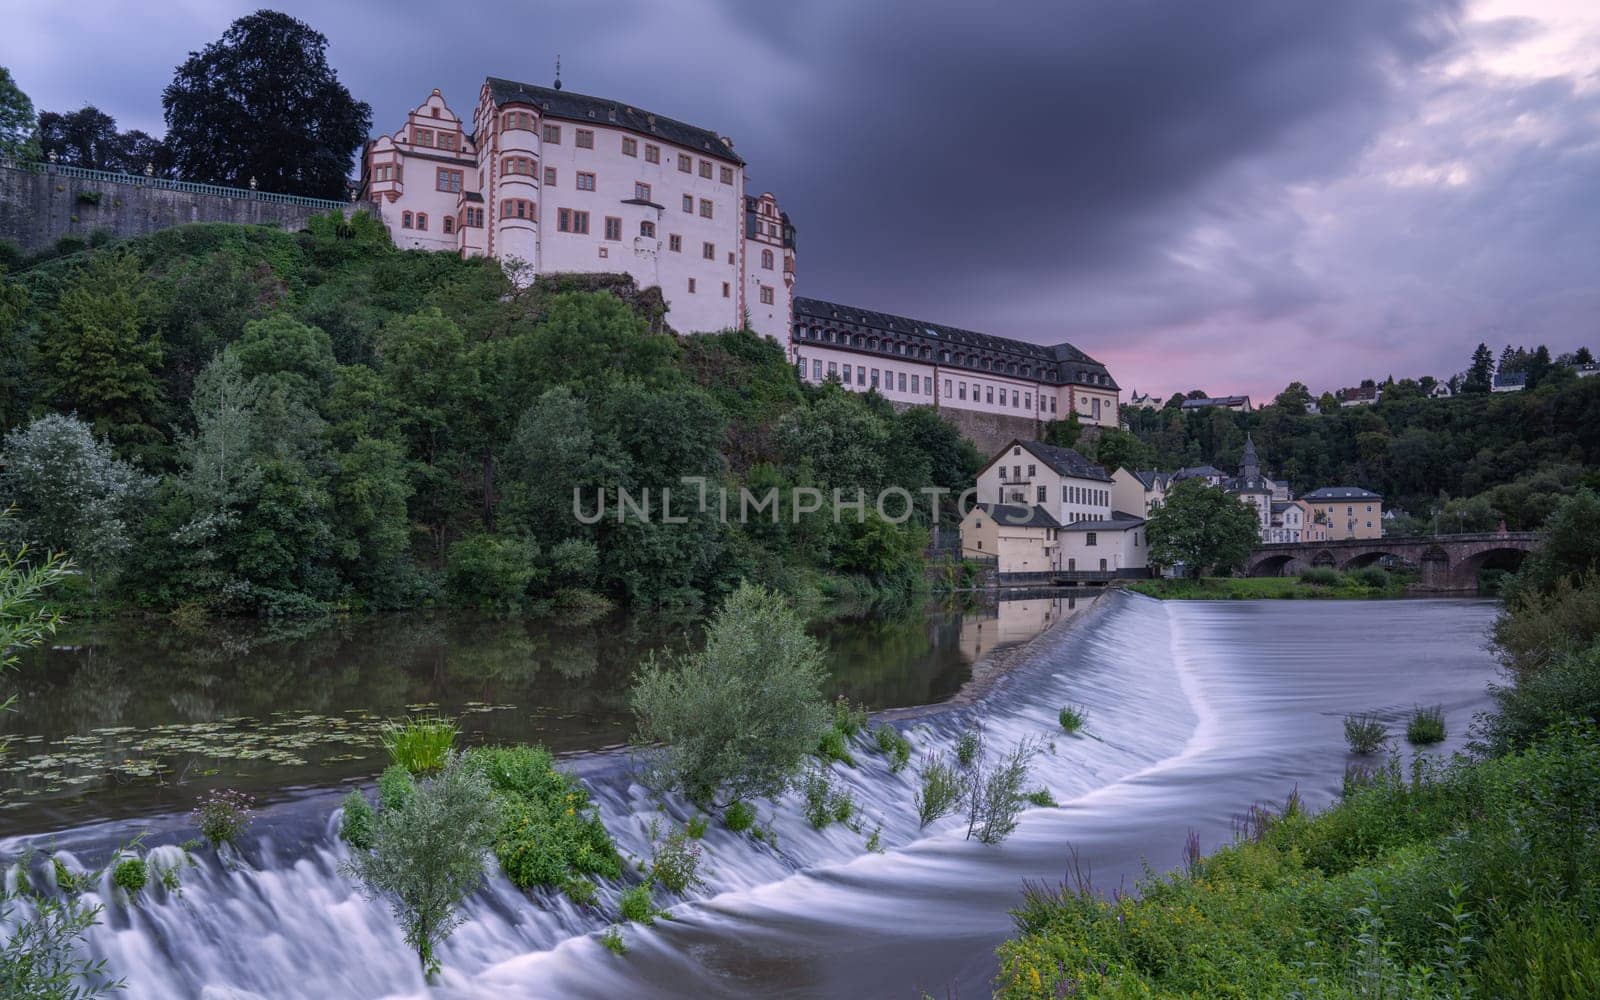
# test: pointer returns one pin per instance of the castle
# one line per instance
(546, 181)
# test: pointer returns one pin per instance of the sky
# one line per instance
(1226, 195)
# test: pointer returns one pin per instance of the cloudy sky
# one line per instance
(1216, 194)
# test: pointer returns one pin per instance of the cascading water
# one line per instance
(1194, 710)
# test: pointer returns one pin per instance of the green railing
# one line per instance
(188, 187)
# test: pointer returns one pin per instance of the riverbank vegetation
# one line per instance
(1477, 877)
(1372, 582)
(257, 422)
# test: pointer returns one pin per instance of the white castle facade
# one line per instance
(548, 181)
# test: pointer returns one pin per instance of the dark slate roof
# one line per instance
(568, 106)
(1119, 522)
(1512, 378)
(1066, 461)
(1248, 484)
(473, 195)
(1198, 471)
(1151, 478)
(1328, 493)
(1017, 516)
(1202, 403)
(1065, 363)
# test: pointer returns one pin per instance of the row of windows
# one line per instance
(1072, 494)
(441, 139)
(890, 346)
(583, 138)
(472, 217)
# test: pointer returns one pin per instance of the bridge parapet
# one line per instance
(1447, 563)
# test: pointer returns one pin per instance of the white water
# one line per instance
(1189, 706)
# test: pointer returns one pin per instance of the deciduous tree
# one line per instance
(1202, 528)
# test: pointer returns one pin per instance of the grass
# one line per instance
(1313, 584)
(835, 746)
(1072, 717)
(421, 746)
(1365, 733)
(1426, 726)
(1473, 879)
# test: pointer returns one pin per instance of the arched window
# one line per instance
(766, 259)
(422, 220)
(405, 220)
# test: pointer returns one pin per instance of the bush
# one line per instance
(1537, 627)
(428, 855)
(358, 825)
(675, 861)
(894, 744)
(833, 746)
(493, 572)
(421, 746)
(636, 905)
(612, 940)
(739, 817)
(582, 891)
(1072, 717)
(395, 787)
(1371, 577)
(1426, 726)
(740, 716)
(825, 802)
(549, 833)
(696, 827)
(849, 719)
(1568, 687)
(1365, 733)
(1321, 576)
(130, 875)
(1042, 798)
(940, 793)
(223, 815)
(994, 794)
(968, 746)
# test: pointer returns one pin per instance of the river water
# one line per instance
(1195, 711)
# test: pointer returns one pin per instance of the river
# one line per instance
(1195, 711)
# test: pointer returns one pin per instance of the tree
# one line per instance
(1538, 365)
(1294, 397)
(1063, 433)
(101, 356)
(738, 717)
(72, 493)
(1571, 550)
(1480, 374)
(1115, 449)
(263, 103)
(16, 120)
(88, 137)
(1202, 528)
(429, 853)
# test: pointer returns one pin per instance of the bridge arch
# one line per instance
(1324, 558)
(1273, 565)
(1467, 571)
(1368, 557)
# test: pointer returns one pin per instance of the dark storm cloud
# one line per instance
(1197, 192)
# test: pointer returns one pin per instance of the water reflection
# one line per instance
(126, 718)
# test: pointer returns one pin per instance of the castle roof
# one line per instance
(568, 106)
(1328, 493)
(1060, 363)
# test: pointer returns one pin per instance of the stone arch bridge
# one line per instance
(1446, 563)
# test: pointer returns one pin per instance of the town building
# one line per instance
(1348, 511)
(921, 363)
(546, 181)
(1239, 404)
(1361, 395)
(1144, 402)
(1441, 390)
(1067, 485)
(1587, 369)
(1210, 473)
(1510, 382)
(1139, 492)
(1018, 537)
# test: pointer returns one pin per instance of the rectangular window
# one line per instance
(685, 164)
(726, 291)
(705, 169)
(652, 154)
(708, 251)
(816, 370)
(447, 141)
(861, 375)
(847, 373)
(613, 228)
(551, 134)
(563, 220)
(963, 390)
(1027, 400)
(448, 180)
(688, 203)
(727, 175)
(916, 385)
(990, 395)
(585, 181)
(449, 225)
(549, 176)
(1042, 493)
(585, 139)
(630, 147)
(641, 191)
(902, 381)
(766, 295)
(422, 136)
(569, 221)
(1088, 538)
(874, 378)
(675, 243)
(705, 208)
(946, 388)
(647, 229)
(833, 369)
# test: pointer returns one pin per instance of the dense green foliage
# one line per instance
(1201, 528)
(735, 719)
(16, 119)
(421, 746)
(1482, 456)
(332, 422)
(1319, 583)
(548, 832)
(1479, 878)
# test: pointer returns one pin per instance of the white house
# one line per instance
(1138, 492)
(1020, 538)
(1067, 485)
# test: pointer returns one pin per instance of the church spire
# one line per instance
(1249, 463)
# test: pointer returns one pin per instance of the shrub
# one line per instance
(130, 875)
(1072, 717)
(41, 950)
(612, 940)
(549, 832)
(832, 746)
(994, 794)
(1426, 725)
(740, 716)
(636, 905)
(696, 827)
(223, 815)
(429, 854)
(358, 824)
(941, 789)
(1371, 577)
(1365, 733)
(1041, 797)
(849, 719)
(968, 745)
(825, 802)
(739, 817)
(1538, 627)
(582, 891)
(675, 861)
(1321, 576)
(395, 787)
(1567, 687)
(421, 746)
(895, 745)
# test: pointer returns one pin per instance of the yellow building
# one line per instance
(1020, 539)
(1347, 511)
